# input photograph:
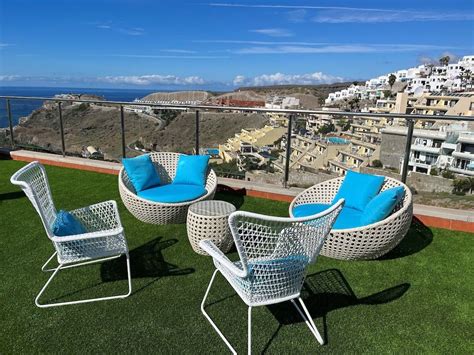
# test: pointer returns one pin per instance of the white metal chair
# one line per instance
(104, 240)
(274, 254)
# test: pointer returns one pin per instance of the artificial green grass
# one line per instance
(417, 299)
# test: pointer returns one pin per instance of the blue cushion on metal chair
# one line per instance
(66, 224)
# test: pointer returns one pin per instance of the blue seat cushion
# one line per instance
(382, 205)
(141, 172)
(358, 189)
(173, 193)
(66, 224)
(348, 218)
(191, 170)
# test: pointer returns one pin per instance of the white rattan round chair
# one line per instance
(366, 242)
(156, 212)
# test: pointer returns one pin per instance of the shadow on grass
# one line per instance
(11, 195)
(228, 194)
(418, 237)
(145, 261)
(327, 291)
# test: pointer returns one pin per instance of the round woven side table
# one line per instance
(208, 220)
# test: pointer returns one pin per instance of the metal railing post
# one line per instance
(406, 158)
(122, 130)
(10, 124)
(288, 152)
(196, 148)
(61, 128)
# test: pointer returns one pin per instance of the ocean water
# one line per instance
(21, 108)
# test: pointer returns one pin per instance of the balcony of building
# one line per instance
(426, 149)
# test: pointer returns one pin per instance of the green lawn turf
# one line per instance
(419, 299)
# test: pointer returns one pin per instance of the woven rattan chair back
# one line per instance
(34, 182)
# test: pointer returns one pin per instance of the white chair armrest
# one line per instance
(91, 235)
(209, 247)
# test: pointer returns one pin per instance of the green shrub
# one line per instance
(447, 174)
(461, 186)
(377, 164)
(434, 172)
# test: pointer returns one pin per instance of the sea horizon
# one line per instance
(22, 108)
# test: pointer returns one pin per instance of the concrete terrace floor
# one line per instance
(416, 299)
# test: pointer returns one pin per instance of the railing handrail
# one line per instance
(253, 109)
(409, 118)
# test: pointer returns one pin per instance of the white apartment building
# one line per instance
(451, 147)
(467, 62)
(350, 92)
(463, 155)
(420, 79)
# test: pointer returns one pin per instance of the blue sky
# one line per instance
(199, 44)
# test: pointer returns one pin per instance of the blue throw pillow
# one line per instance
(358, 189)
(141, 172)
(382, 205)
(66, 224)
(191, 170)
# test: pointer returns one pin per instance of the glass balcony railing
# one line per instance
(279, 149)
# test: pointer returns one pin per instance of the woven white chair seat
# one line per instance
(366, 242)
(156, 212)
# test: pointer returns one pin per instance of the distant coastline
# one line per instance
(24, 107)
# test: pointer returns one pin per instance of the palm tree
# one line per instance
(444, 60)
(391, 80)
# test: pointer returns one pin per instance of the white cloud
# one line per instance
(383, 16)
(9, 77)
(273, 32)
(183, 51)
(336, 48)
(139, 80)
(154, 56)
(137, 31)
(232, 41)
(4, 45)
(288, 47)
(298, 15)
(307, 7)
(286, 79)
(346, 14)
(109, 26)
(154, 79)
(239, 80)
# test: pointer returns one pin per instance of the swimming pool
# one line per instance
(212, 151)
(337, 140)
